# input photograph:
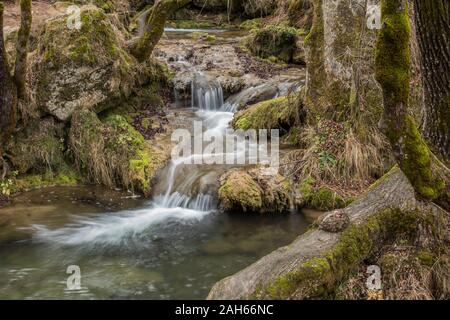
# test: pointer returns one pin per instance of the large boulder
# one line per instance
(85, 68)
(254, 190)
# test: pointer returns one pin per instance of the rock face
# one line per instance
(254, 191)
(85, 68)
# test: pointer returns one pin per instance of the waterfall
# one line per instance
(182, 202)
(206, 95)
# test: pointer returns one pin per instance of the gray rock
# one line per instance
(334, 221)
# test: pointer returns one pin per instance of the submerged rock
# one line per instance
(254, 191)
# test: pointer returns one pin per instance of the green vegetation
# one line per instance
(279, 113)
(274, 41)
(319, 276)
(393, 73)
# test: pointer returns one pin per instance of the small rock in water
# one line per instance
(335, 221)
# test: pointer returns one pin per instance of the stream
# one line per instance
(175, 245)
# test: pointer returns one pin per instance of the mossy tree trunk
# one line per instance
(20, 68)
(393, 74)
(8, 94)
(154, 27)
(433, 24)
(314, 42)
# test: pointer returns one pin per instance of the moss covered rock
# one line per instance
(279, 113)
(274, 41)
(112, 152)
(82, 68)
(254, 191)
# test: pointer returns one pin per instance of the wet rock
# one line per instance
(334, 221)
(254, 95)
(257, 190)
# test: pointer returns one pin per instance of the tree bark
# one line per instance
(432, 18)
(8, 94)
(20, 69)
(393, 73)
(154, 27)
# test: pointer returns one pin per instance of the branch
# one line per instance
(154, 27)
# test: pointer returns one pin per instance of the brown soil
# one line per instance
(42, 10)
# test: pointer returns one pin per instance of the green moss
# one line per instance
(95, 42)
(393, 73)
(426, 258)
(320, 198)
(112, 152)
(277, 41)
(241, 192)
(319, 276)
(278, 113)
(65, 177)
(252, 24)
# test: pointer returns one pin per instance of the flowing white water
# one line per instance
(177, 204)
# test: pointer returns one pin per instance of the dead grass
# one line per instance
(404, 277)
(334, 155)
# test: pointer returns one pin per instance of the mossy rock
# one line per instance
(253, 191)
(279, 113)
(82, 68)
(274, 41)
(112, 152)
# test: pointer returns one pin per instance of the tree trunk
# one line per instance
(393, 73)
(433, 25)
(8, 94)
(20, 71)
(154, 27)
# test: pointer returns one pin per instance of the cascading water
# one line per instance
(187, 195)
(175, 246)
